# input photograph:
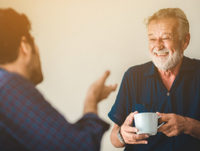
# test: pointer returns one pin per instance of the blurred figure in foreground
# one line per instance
(27, 121)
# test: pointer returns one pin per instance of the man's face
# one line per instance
(34, 67)
(164, 45)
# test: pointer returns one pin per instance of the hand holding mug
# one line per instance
(128, 132)
(175, 124)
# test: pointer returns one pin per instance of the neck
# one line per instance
(170, 72)
(14, 68)
(169, 76)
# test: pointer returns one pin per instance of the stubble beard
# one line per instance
(34, 69)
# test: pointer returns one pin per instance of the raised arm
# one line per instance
(33, 123)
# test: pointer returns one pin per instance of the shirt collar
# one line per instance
(186, 65)
(151, 69)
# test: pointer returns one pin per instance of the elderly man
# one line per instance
(169, 85)
(27, 121)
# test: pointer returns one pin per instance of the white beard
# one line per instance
(168, 62)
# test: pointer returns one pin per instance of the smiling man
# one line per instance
(169, 85)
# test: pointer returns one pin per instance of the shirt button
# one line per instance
(168, 94)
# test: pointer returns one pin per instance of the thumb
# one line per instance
(112, 87)
(130, 117)
(160, 114)
(163, 117)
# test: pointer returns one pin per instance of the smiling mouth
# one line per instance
(161, 54)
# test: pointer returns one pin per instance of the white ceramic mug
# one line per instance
(147, 123)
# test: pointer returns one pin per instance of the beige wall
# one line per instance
(80, 39)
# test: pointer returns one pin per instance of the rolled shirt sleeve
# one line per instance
(122, 106)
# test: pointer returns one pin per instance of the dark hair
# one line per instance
(13, 26)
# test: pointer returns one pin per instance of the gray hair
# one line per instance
(174, 13)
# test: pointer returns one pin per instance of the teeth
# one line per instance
(162, 54)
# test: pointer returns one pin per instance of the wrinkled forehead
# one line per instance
(165, 25)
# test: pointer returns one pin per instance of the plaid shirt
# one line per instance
(29, 122)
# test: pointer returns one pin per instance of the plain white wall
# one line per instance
(80, 39)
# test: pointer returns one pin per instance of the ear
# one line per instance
(185, 41)
(25, 47)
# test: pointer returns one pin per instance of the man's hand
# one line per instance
(97, 92)
(175, 124)
(128, 132)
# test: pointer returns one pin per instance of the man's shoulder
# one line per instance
(139, 69)
(8, 77)
(5, 77)
(195, 62)
(15, 84)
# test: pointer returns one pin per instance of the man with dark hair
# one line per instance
(14, 30)
(27, 121)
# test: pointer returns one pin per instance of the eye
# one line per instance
(152, 39)
(166, 38)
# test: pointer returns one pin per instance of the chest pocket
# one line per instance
(146, 107)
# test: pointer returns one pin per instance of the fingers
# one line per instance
(102, 80)
(130, 117)
(130, 137)
(174, 125)
(106, 91)
(170, 131)
(160, 114)
(164, 128)
(164, 117)
(137, 142)
(136, 139)
(127, 126)
(105, 76)
(130, 129)
(129, 133)
(113, 87)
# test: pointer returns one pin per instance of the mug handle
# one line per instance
(161, 123)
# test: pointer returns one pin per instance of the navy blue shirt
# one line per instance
(142, 90)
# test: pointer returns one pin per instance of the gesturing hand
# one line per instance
(175, 124)
(128, 132)
(97, 92)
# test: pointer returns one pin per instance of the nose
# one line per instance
(159, 45)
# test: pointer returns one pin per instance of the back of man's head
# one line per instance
(13, 26)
